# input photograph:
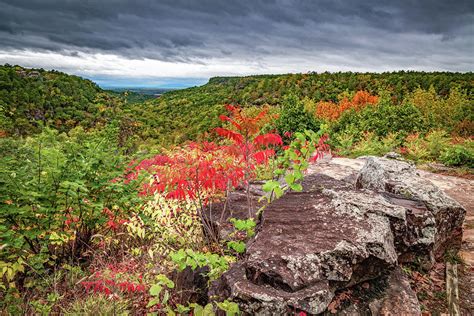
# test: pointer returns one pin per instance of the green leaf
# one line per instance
(155, 289)
(270, 185)
(296, 187)
(153, 302)
(208, 310)
(163, 279)
(298, 174)
(278, 192)
(290, 179)
(238, 246)
(198, 310)
(182, 309)
(230, 308)
(166, 297)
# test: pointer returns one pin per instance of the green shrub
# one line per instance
(374, 145)
(294, 118)
(459, 155)
(381, 120)
(440, 112)
(343, 144)
(53, 190)
(436, 143)
(415, 148)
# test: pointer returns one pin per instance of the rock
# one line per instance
(393, 155)
(401, 178)
(335, 235)
(398, 299)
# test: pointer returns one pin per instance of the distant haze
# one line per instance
(180, 43)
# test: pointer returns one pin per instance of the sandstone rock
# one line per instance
(334, 235)
(401, 178)
(398, 299)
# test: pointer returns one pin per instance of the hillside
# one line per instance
(186, 113)
(30, 98)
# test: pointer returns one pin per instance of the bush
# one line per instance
(294, 118)
(436, 143)
(382, 120)
(54, 189)
(439, 112)
(459, 155)
(331, 111)
(376, 146)
(343, 144)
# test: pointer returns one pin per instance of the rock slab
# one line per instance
(338, 232)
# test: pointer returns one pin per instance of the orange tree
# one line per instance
(332, 111)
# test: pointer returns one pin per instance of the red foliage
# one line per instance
(236, 137)
(267, 140)
(332, 111)
(108, 286)
(247, 145)
(321, 148)
(114, 222)
(194, 170)
(116, 278)
(207, 169)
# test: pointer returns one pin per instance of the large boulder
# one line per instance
(443, 222)
(336, 234)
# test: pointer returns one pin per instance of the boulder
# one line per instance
(445, 217)
(336, 233)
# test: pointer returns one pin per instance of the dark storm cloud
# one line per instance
(247, 30)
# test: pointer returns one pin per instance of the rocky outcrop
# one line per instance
(338, 232)
(441, 226)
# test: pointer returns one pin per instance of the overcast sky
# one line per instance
(176, 43)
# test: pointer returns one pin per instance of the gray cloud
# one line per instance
(382, 34)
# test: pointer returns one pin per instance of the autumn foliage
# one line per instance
(332, 111)
(196, 170)
(206, 170)
(247, 144)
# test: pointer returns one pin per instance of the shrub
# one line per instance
(163, 225)
(53, 189)
(439, 112)
(415, 148)
(382, 120)
(294, 118)
(343, 144)
(436, 143)
(459, 155)
(373, 145)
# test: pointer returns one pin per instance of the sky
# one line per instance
(177, 43)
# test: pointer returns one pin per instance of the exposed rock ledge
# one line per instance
(344, 228)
